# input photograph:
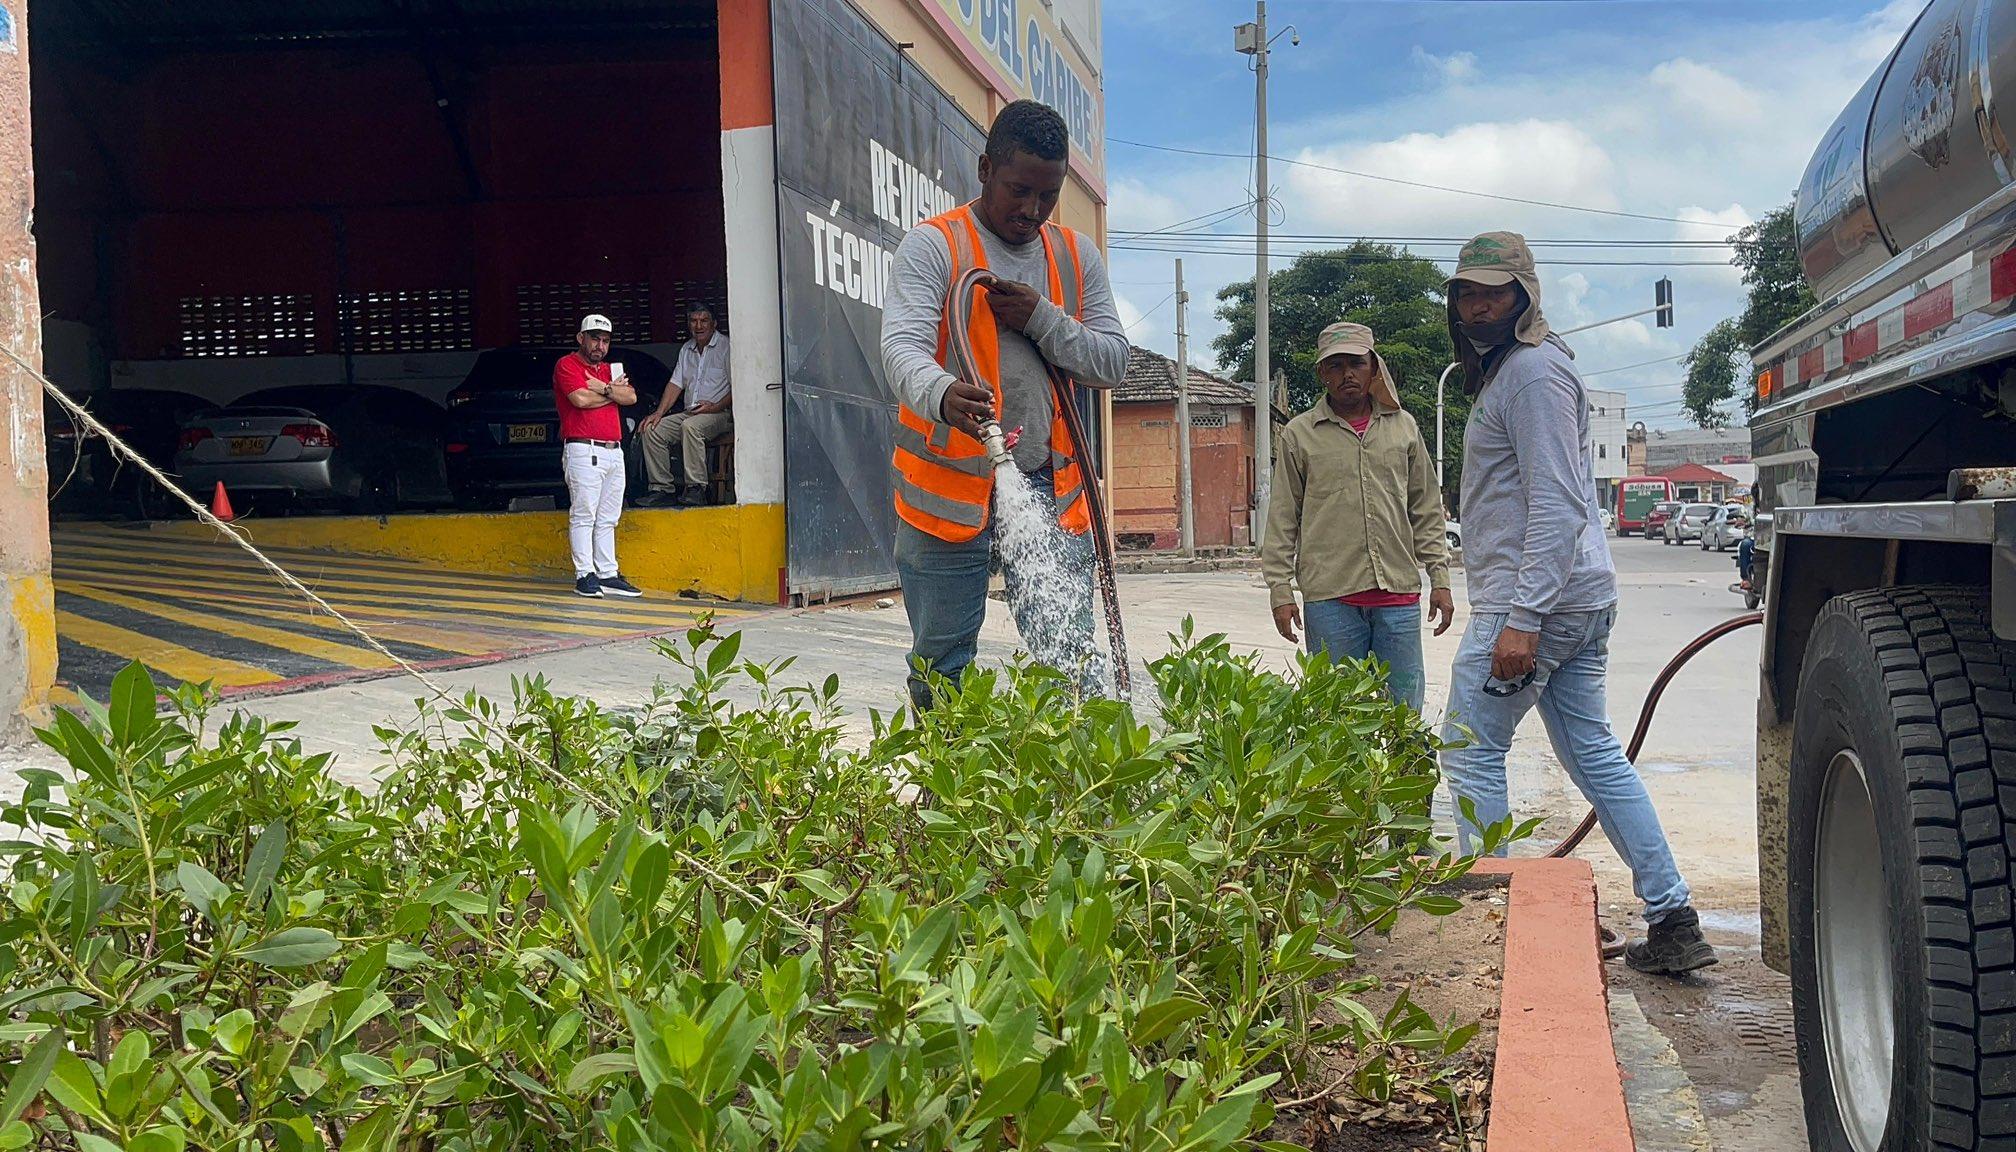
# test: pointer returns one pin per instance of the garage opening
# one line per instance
(329, 249)
(347, 218)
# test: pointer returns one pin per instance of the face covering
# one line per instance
(1487, 336)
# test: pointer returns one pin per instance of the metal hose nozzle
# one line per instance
(996, 442)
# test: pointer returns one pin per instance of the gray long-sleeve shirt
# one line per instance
(1533, 539)
(1092, 351)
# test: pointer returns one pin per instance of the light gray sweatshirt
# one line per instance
(1533, 539)
(1092, 352)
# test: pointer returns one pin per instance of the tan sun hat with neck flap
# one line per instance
(1346, 337)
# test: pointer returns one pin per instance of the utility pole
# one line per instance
(1251, 39)
(1186, 524)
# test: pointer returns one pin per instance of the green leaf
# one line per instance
(263, 866)
(1438, 905)
(924, 942)
(371, 1070)
(1220, 1126)
(86, 1142)
(1157, 1021)
(373, 1132)
(723, 656)
(293, 948)
(85, 751)
(73, 1086)
(199, 886)
(233, 1031)
(1004, 1040)
(649, 874)
(1007, 1092)
(599, 1067)
(14, 1135)
(83, 900)
(133, 718)
(163, 1139)
(29, 1076)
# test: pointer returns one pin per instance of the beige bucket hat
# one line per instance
(1347, 337)
(1495, 258)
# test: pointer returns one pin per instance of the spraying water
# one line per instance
(1050, 574)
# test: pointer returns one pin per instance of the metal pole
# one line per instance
(1263, 376)
(1186, 522)
(1440, 381)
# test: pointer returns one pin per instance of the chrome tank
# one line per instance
(1920, 144)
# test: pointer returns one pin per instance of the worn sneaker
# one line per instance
(1672, 947)
(617, 586)
(588, 586)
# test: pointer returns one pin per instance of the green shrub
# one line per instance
(1014, 922)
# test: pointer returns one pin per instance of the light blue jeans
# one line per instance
(1392, 634)
(1569, 686)
(945, 594)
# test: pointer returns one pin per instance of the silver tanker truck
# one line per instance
(1885, 443)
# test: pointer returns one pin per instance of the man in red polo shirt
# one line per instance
(589, 391)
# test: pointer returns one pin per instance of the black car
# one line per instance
(504, 428)
(85, 479)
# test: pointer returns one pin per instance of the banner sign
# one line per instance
(1018, 45)
(867, 147)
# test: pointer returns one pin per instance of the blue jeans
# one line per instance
(1568, 685)
(945, 595)
(1392, 634)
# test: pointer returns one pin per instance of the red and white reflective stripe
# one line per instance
(1929, 311)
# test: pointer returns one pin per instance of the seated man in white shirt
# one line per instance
(702, 377)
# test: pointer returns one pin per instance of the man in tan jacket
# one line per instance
(1356, 517)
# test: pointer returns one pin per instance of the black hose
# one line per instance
(1651, 705)
(1102, 540)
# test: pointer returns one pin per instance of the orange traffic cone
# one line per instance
(220, 504)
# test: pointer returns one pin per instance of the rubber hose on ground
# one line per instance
(1651, 706)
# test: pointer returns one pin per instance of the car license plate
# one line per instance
(527, 434)
(250, 445)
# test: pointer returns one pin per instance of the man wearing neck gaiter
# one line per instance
(1543, 594)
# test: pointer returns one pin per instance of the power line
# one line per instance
(1350, 259)
(1170, 228)
(1150, 311)
(1343, 237)
(1421, 184)
(1629, 367)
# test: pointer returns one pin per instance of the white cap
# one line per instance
(596, 322)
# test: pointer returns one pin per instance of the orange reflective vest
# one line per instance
(944, 483)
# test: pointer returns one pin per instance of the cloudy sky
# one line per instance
(1680, 110)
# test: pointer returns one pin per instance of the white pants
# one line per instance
(594, 504)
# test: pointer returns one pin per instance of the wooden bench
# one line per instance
(721, 470)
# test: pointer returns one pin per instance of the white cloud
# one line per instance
(1710, 95)
(1457, 67)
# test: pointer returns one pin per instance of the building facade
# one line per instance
(231, 200)
(1609, 443)
(1145, 460)
(1668, 448)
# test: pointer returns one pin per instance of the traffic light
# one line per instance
(1662, 297)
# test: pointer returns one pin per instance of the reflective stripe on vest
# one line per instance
(943, 479)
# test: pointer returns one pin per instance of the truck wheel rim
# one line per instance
(1852, 926)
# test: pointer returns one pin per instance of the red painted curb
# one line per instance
(1555, 1083)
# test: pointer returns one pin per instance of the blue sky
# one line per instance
(1703, 112)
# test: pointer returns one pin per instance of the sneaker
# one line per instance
(1672, 947)
(693, 498)
(617, 586)
(588, 586)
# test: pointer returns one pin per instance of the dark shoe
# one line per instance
(1672, 947)
(588, 586)
(654, 499)
(693, 498)
(617, 586)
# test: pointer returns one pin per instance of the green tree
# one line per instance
(1718, 367)
(1392, 291)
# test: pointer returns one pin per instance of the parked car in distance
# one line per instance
(269, 449)
(1609, 520)
(1729, 524)
(503, 436)
(1453, 532)
(1655, 520)
(1685, 524)
(390, 438)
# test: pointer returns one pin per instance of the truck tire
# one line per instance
(1903, 950)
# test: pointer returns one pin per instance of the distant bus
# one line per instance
(1635, 497)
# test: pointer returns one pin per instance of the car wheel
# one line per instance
(1903, 951)
(377, 494)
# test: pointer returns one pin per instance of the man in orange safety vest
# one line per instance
(1047, 308)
